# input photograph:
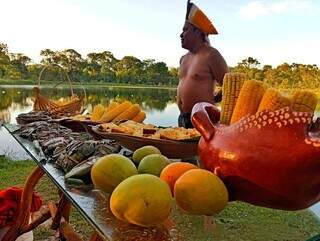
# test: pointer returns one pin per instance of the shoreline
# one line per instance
(89, 85)
(93, 86)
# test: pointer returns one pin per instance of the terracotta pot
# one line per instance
(269, 159)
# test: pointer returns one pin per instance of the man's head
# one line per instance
(191, 36)
(198, 19)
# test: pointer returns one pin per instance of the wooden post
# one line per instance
(63, 211)
(23, 214)
(95, 237)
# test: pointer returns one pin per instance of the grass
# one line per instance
(238, 222)
(14, 173)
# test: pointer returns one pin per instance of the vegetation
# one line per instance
(104, 68)
(239, 221)
(284, 76)
(14, 173)
(96, 67)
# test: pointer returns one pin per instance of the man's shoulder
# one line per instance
(183, 57)
(214, 55)
(213, 51)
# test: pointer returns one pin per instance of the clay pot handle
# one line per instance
(203, 116)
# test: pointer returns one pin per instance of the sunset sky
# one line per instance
(274, 32)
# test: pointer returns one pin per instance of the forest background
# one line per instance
(104, 68)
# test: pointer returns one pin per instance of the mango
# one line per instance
(200, 192)
(143, 200)
(153, 164)
(110, 170)
(171, 173)
(144, 151)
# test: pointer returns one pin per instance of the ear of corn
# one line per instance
(110, 115)
(232, 84)
(97, 112)
(129, 113)
(111, 106)
(304, 100)
(273, 100)
(249, 99)
(139, 117)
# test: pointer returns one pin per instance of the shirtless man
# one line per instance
(200, 69)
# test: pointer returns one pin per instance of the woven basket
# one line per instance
(72, 107)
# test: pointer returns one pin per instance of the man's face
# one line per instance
(188, 36)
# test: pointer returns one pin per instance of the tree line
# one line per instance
(96, 67)
(104, 67)
(283, 76)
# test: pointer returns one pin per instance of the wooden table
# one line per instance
(91, 204)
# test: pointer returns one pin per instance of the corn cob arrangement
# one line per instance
(232, 84)
(244, 97)
(115, 111)
(273, 100)
(249, 99)
(304, 100)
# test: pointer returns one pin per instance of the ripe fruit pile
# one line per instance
(143, 195)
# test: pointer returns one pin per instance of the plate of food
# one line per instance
(174, 142)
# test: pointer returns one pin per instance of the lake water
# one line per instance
(159, 105)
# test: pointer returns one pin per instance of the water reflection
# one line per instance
(15, 100)
(159, 105)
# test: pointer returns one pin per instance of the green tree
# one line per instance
(72, 62)
(174, 75)
(129, 70)
(34, 70)
(69, 59)
(248, 63)
(104, 64)
(250, 67)
(156, 73)
(49, 57)
(4, 59)
(159, 73)
(19, 62)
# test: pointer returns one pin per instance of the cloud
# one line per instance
(260, 8)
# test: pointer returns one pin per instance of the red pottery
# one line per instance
(269, 159)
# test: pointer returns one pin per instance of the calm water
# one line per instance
(159, 104)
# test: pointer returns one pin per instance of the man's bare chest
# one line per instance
(195, 69)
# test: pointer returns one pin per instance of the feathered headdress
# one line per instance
(196, 17)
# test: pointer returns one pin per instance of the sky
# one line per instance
(272, 31)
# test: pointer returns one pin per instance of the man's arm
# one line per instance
(179, 102)
(218, 66)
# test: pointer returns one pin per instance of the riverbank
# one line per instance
(8, 82)
(239, 221)
(29, 83)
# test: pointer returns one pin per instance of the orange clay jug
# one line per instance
(269, 159)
